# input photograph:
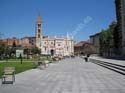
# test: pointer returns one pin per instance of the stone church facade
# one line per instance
(56, 46)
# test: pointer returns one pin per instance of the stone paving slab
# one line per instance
(67, 76)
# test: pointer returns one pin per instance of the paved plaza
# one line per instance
(67, 76)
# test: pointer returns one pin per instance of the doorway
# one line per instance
(52, 52)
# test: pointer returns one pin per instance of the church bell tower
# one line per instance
(38, 32)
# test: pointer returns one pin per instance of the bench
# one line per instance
(8, 71)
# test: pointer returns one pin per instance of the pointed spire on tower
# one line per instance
(39, 19)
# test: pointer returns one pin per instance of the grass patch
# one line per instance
(26, 64)
(27, 60)
(19, 67)
(24, 59)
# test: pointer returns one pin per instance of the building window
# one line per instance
(39, 25)
(45, 48)
(38, 35)
(58, 44)
(67, 48)
(38, 30)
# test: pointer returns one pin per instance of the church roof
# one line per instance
(82, 43)
(52, 38)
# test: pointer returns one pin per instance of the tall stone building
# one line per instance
(11, 41)
(38, 31)
(63, 46)
(94, 40)
(79, 48)
(120, 14)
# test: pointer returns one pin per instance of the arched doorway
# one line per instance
(52, 52)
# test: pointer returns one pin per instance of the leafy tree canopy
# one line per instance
(35, 50)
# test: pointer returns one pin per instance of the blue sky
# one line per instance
(18, 17)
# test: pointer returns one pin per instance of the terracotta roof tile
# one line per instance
(82, 43)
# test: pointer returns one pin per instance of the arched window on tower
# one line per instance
(38, 30)
(38, 35)
(39, 25)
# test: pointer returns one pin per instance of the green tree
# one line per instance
(107, 39)
(117, 41)
(35, 50)
(27, 52)
(13, 49)
(3, 47)
(14, 44)
(21, 59)
(7, 52)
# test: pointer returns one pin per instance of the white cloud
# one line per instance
(80, 26)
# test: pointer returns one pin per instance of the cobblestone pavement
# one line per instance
(67, 76)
